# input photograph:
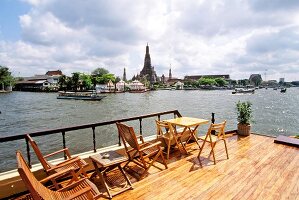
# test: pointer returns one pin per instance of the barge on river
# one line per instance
(87, 96)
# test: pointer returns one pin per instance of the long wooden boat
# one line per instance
(243, 91)
(87, 96)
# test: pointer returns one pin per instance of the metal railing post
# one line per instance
(28, 152)
(140, 125)
(94, 139)
(63, 141)
(213, 121)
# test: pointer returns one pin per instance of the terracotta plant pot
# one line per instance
(244, 129)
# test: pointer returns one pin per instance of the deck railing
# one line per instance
(66, 130)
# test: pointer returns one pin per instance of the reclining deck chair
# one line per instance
(139, 153)
(213, 139)
(79, 189)
(71, 162)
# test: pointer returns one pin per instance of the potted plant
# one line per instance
(244, 113)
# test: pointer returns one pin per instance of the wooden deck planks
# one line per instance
(257, 169)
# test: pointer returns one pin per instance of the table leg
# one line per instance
(127, 179)
(102, 179)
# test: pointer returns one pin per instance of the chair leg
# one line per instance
(164, 161)
(168, 150)
(153, 160)
(212, 150)
(201, 148)
(226, 149)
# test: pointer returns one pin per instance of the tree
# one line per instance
(100, 72)
(221, 82)
(105, 78)
(86, 81)
(62, 82)
(207, 81)
(6, 79)
(75, 80)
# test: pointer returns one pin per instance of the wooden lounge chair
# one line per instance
(213, 139)
(71, 162)
(78, 189)
(139, 153)
(169, 135)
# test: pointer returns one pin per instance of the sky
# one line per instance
(195, 37)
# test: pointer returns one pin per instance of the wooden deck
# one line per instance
(257, 169)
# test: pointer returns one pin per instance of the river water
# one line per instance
(274, 113)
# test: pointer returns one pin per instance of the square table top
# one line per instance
(187, 121)
(112, 158)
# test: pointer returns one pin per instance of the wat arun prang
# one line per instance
(148, 72)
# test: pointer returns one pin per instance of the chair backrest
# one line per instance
(37, 190)
(46, 165)
(128, 136)
(218, 128)
(164, 128)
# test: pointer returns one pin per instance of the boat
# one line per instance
(283, 90)
(138, 91)
(243, 91)
(87, 96)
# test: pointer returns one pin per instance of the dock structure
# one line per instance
(257, 168)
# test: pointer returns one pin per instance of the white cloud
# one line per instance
(236, 37)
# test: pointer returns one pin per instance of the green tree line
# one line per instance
(207, 81)
(82, 81)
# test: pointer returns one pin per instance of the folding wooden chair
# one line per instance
(213, 139)
(169, 135)
(79, 189)
(71, 162)
(139, 153)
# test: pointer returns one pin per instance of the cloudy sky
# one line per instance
(236, 37)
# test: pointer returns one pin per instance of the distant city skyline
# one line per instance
(232, 37)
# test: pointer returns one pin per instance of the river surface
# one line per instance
(274, 113)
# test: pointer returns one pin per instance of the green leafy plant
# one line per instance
(244, 112)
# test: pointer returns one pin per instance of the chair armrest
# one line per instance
(66, 150)
(66, 162)
(80, 192)
(151, 145)
(70, 186)
(59, 174)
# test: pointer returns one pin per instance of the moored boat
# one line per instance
(243, 90)
(283, 90)
(87, 96)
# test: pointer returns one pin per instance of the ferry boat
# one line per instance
(87, 96)
(243, 90)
